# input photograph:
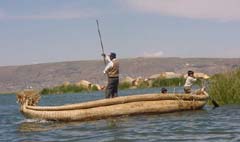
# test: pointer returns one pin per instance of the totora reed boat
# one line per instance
(106, 108)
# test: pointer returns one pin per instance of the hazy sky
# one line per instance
(38, 31)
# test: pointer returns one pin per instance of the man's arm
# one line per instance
(193, 79)
(109, 65)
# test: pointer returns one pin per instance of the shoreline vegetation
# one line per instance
(71, 88)
(159, 82)
(8, 93)
(166, 79)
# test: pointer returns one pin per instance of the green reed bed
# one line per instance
(168, 82)
(225, 88)
(67, 89)
(156, 83)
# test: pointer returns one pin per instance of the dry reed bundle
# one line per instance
(28, 97)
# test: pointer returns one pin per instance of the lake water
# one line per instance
(221, 124)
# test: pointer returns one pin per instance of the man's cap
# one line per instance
(113, 55)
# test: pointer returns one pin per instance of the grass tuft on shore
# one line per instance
(124, 85)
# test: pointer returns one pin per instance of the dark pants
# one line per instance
(112, 87)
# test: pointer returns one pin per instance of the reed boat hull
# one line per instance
(120, 106)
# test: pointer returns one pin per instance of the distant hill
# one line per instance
(13, 78)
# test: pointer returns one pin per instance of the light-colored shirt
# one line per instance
(109, 65)
(189, 81)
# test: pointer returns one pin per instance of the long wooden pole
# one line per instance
(100, 37)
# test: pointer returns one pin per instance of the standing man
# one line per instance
(112, 71)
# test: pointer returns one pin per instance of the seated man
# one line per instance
(189, 82)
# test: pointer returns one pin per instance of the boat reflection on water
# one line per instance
(32, 125)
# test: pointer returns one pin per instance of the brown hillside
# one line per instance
(38, 76)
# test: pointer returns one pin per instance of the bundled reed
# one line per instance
(30, 97)
(99, 109)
